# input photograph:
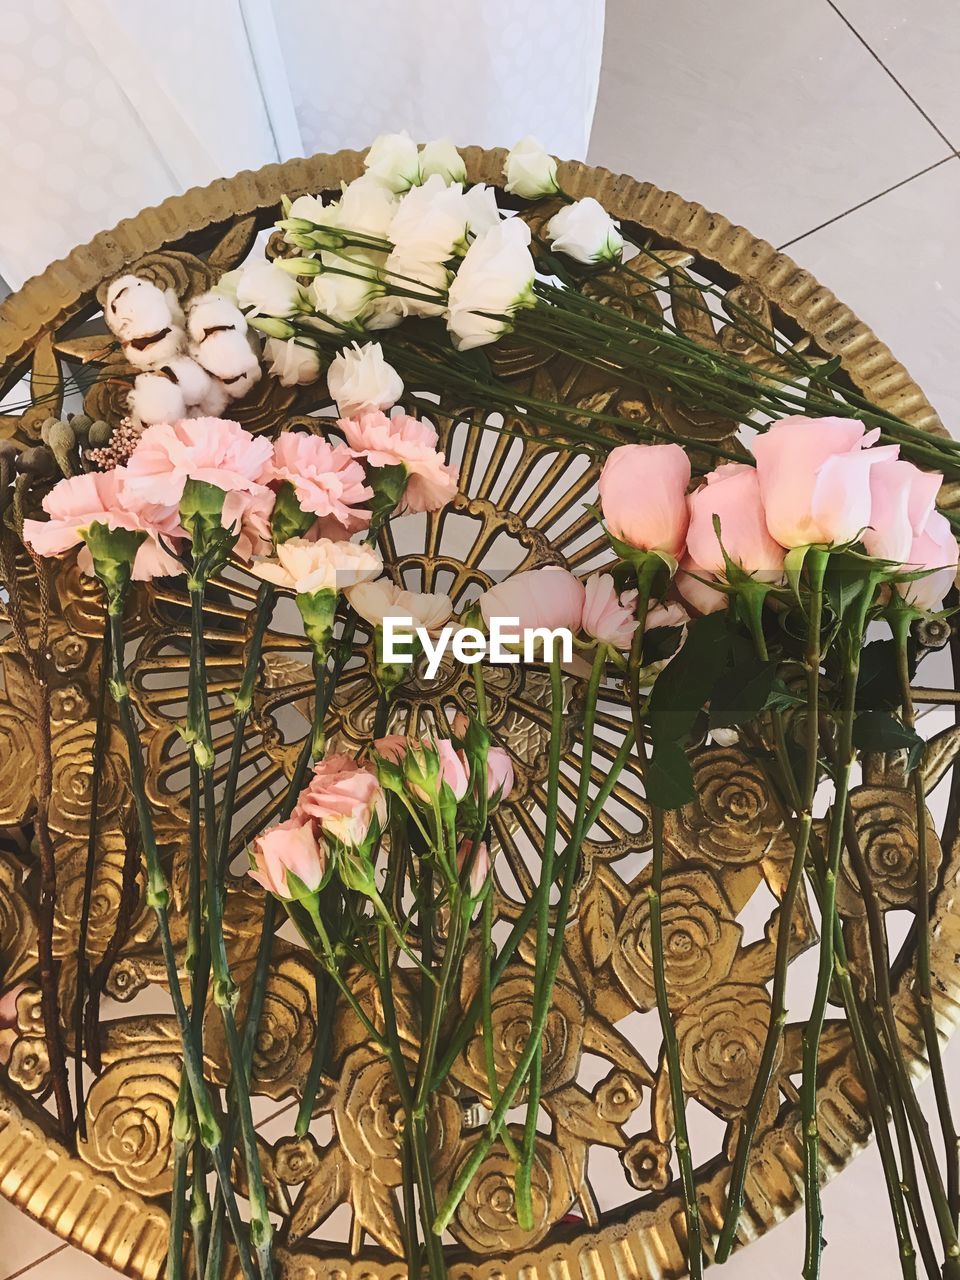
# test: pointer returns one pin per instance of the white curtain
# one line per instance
(110, 105)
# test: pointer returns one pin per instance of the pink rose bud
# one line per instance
(934, 548)
(607, 616)
(902, 500)
(814, 478)
(345, 799)
(479, 866)
(732, 494)
(289, 847)
(550, 597)
(698, 593)
(643, 496)
(454, 769)
(499, 774)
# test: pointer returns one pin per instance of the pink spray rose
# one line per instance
(732, 493)
(814, 478)
(328, 480)
(607, 616)
(643, 496)
(387, 442)
(344, 798)
(103, 497)
(934, 548)
(902, 498)
(454, 769)
(290, 846)
(500, 777)
(550, 597)
(479, 866)
(212, 451)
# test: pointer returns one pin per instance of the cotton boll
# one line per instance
(192, 379)
(212, 312)
(136, 308)
(155, 349)
(226, 354)
(155, 398)
(214, 401)
(237, 387)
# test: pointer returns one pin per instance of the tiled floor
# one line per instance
(831, 128)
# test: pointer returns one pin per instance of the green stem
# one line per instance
(158, 898)
(852, 645)
(321, 1051)
(486, 995)
(224, 987)
(900, 618)
(778, 999)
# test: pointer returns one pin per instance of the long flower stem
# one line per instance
(524, 1206)
(900, 623)
(778, 1012)
(852, 644)
(224, 988)
(158, 898)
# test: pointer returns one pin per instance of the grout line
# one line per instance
(36, 1262)
(869, 200)
(899, 83)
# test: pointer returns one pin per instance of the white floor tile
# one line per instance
(22, 1241)
(769, 111)
(920, 44)
(895, 263)
(70, 1264)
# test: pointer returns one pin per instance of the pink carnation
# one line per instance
(104, 497)
(216, 452)
(344, 798)
(328, 480)
(411, 443)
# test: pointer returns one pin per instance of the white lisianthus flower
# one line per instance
(365, 206)
(426, 277)
(430, 222)
(441, 157)
(344, 299)
(393, 161)
(310, 209)
(495, 279)
(293, 362)
(381, 599)
(306, 567)
(212, 311)
(385, 313)
(360, 380)
(136, 308)
(530, 171)
(266, 289)
(482, 209)
(585, 231)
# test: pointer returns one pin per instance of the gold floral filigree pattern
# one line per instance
(130, 1122)
(721, 1036)
(886, 824)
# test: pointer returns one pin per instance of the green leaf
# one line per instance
(781, 698)
(683, 688)
(668, 782)
(844, 583)
(661, 643)
(883, 732)
(878, 685)
(741, 693)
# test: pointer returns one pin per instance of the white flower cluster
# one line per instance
(190, 365)
(409, 238)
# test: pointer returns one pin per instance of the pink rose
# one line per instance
(408, 442)
(935, 548)
(669, 614)
(328, 480)
(902, 498)
(814, 478)
(696, 592)
(103, 497)
(215, 452)
(393, 747)
(345, 798)
(500, 777)
(454, 769)
(479, 866)
(643, 496)
(290, 846)
(550, 597)
(732, 493)
(607, 616)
